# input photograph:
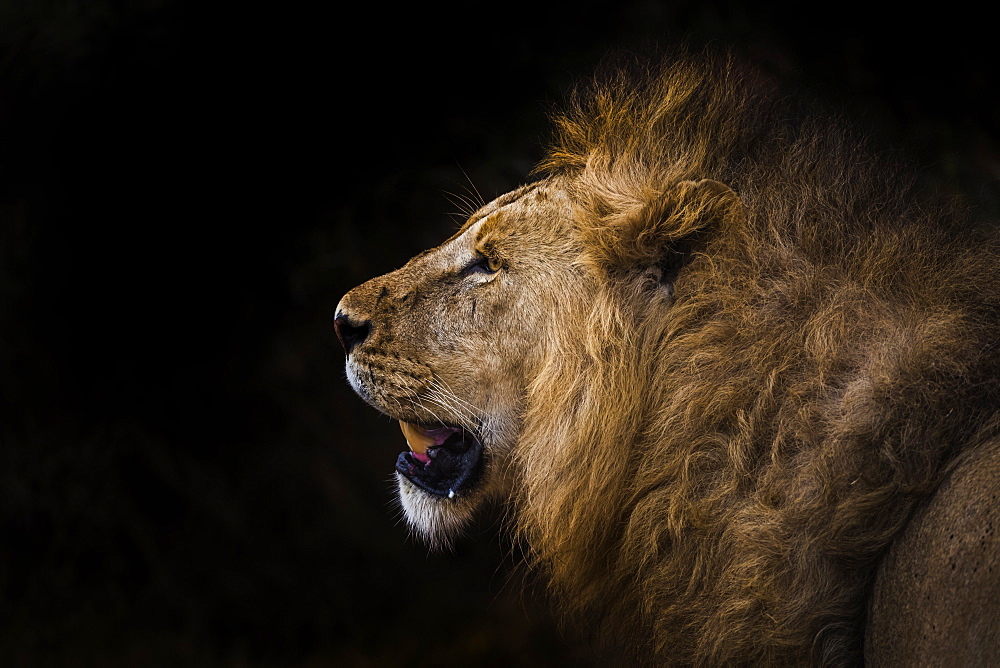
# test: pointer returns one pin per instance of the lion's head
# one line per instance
(714, 357)
(450, 343)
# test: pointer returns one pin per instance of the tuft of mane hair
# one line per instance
(791, 346)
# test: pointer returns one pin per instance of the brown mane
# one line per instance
(720, 468)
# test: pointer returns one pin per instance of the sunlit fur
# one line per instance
(738, 349)
(714, 478)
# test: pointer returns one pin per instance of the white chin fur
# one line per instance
(436, 520)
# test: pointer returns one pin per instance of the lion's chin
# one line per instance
(437, 520)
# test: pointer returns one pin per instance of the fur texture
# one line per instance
(749, 450)
(766, 351)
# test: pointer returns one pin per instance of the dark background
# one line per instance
(186, 191)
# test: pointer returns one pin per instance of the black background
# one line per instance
(186, 191)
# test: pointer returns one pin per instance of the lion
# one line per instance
(733, 371)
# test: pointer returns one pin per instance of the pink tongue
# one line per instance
(421, 457)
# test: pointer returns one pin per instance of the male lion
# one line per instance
(736, 375)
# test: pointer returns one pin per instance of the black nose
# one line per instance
(350, 333)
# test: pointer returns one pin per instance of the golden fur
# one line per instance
(756, 348)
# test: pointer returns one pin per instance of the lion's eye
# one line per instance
(493, 264)
(484, 264)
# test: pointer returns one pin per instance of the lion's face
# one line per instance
(449, 344)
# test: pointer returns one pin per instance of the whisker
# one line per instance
(465, 205)
(464, 411)
(444, 387)
(472, 189)
(463, 407)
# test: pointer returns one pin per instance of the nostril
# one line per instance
(350, 333)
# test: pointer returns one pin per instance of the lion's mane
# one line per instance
(719, 468)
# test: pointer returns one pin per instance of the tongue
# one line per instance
(420, 439)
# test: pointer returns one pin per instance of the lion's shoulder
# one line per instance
(937, 597)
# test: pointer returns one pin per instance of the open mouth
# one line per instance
(443, 461)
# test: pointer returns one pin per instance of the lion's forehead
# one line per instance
(518, 204)
(514, 199)
(506, 215)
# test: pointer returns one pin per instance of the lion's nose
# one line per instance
(350, 333)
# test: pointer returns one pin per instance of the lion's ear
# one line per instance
(658, 231)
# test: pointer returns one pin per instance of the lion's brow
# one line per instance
(497, 204)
